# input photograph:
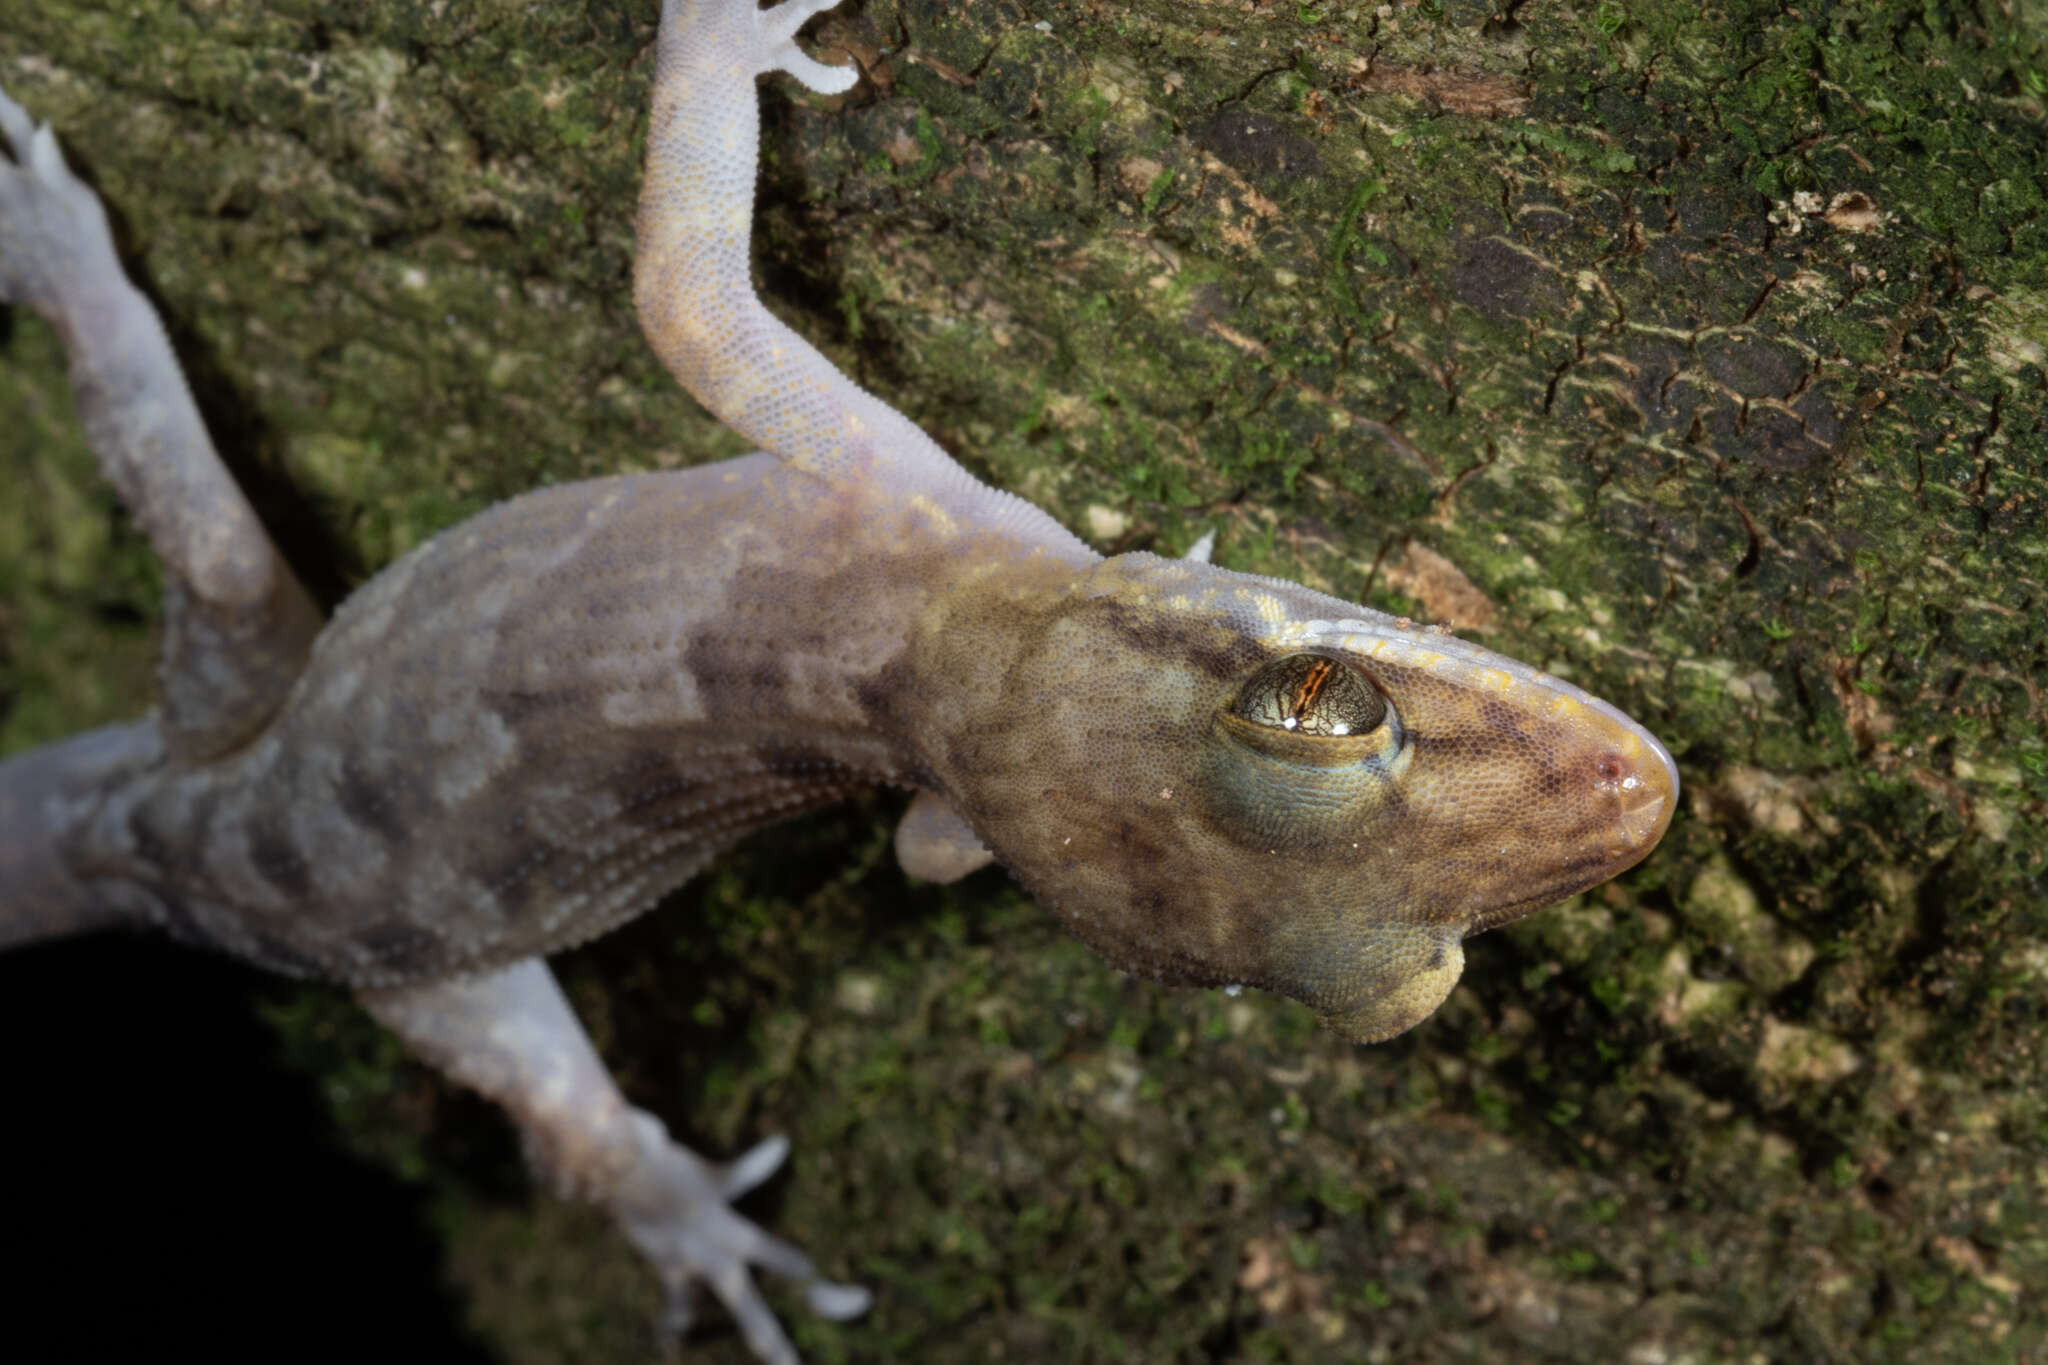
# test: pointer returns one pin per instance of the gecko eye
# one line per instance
(1302, 755)
(1310, 694)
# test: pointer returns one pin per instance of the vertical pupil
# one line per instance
(1301, 706)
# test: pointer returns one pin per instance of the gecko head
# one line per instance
(1215, 778)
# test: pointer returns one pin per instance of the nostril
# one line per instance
(1642, 803)
(1613, 773)
(1634, 785)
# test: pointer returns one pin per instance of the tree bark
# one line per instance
(1697, 354)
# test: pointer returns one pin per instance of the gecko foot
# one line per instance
(675, 1206)
(53, 232)
(776, 48)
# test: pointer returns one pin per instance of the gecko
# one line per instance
(532, 726)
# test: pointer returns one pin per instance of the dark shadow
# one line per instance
(800, 868)
(170, 1185)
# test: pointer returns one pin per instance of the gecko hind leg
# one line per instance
(237, 622)
(512, 1036)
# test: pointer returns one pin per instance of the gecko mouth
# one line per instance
(1574, 877)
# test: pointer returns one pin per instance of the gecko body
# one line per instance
(532, 726)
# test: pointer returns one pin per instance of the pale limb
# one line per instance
(512, 1036)
(237, 622)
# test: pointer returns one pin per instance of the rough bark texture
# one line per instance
(1695, 352)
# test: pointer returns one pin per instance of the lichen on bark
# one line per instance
(1698, 353)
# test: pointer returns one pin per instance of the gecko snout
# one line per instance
(1642, 782)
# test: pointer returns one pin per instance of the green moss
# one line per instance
(1542, 293)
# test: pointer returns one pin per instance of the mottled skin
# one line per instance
(533, 726)
(1344, 873)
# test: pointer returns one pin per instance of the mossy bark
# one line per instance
(1696, 353)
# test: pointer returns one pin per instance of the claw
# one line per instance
(759, 1162)
(763, 1334)
(53, 232)
(677, 1209)
(778, 28)
(837, 1302)
(814, 74)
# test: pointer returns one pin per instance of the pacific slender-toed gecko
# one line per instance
(528, 729)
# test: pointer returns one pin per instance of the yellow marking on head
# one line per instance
(1402, 652)
(1294, 632)
(1496, 680)
(1563, 703)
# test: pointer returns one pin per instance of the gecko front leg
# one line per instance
(696, 300)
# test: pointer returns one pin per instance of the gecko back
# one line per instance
(529, 728)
